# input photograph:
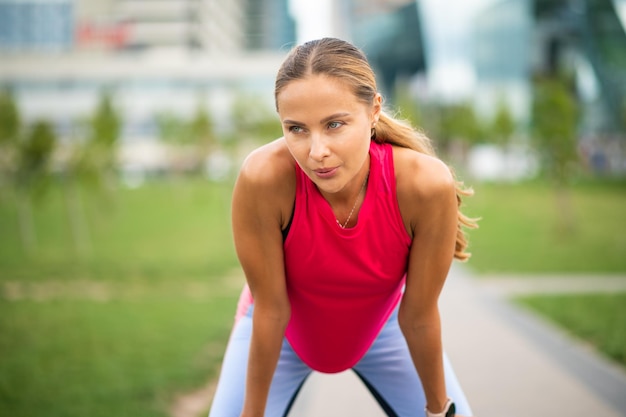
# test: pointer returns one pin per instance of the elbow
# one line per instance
(283, 317)
(412, 321)
(406, 322)
(277, 316)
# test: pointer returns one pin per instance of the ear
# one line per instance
(377, 108)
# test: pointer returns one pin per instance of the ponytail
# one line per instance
(401, 133)
(342, 60)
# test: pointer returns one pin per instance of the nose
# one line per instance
(319, 148)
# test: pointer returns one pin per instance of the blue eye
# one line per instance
(295, 129)
(334, 125)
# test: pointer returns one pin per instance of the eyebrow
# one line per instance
(324, 120)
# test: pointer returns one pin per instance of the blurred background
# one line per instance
(123, 124)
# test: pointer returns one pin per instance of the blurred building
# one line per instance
(207, 25)
(170, 55)
(587, 41)
(502, 55)
(36, 26)
(390, 33)
(158, 58)
(269, 25)
(486, 51)
(211, 26)
(588, 38)
(155, 55)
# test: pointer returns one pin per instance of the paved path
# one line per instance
(510, 362)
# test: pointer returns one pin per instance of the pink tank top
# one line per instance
(343, 284)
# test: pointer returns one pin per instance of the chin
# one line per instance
(329, 186)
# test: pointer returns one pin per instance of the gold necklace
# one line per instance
(343, 226)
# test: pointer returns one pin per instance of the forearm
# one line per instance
(266, 342)
(423, 337)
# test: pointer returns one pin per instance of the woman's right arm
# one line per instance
(257, 220)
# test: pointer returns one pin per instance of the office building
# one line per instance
(37, 26)
(269, 25)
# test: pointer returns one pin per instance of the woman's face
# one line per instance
(327, 130)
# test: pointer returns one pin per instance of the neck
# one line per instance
(350, 206)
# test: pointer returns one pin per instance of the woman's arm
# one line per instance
(257, 216)
(427, 198)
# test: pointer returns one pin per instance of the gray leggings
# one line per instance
(386, 370)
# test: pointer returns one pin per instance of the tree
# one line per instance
(503, 125)
(201, 132)
(555, 118)
(255, 119)
(105, 132)
(92, 167)
(201, 127)
(458, 128)
(9, 136)
(192, 138)
(32, 176)
(24, 161)
(462, 123)
(171, 128)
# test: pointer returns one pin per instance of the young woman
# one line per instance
(345, 229)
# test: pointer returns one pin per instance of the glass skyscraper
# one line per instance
(36, 25)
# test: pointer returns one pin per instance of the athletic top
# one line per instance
(343, 284)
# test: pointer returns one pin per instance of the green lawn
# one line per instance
(520, 233)
(122, 329)
(143, 313)
(157, 231)
(520, 230)
(600, 319)
(115, 358)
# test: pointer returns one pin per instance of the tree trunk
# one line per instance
(78, 224)
(28, 234)
(566, 223)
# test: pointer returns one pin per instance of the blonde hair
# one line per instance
(340, 59)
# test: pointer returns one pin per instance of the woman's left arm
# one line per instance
(427, 197)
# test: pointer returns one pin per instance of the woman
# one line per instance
(345, 228)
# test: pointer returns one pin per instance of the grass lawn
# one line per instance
(142, 312)
(599, 319)
(141, 316)
(160, 231)
(520, 230)
(520, 233)
(120, 358)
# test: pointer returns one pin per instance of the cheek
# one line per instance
(360, 139)
(299, 149)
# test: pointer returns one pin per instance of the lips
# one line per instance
(325, 172)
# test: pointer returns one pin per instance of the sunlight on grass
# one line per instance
(599, 319)
(77, 358)
(125, 328)
(519, 229)
(144, 314)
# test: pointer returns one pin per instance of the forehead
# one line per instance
(317, 94)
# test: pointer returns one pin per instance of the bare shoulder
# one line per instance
(266, 182)
(425, 186)
(269, 168)
(268, 164)
(420, 176)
